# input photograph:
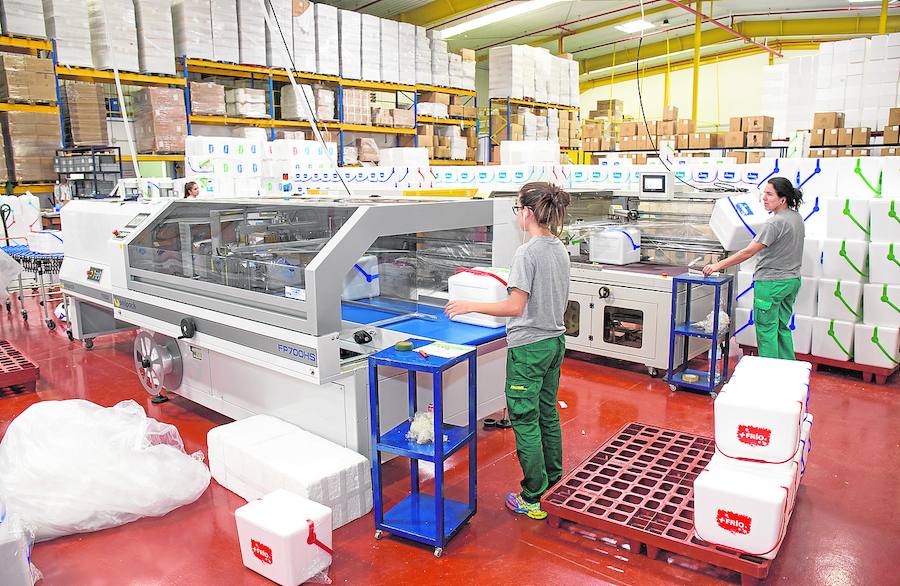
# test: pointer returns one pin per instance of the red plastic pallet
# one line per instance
(876, 374)
(16, 370)
(639, 485)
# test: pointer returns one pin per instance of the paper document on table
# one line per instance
(445, 350)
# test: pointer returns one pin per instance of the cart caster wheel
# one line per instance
(51, 325)
(652, 372)
(713, 395)
(24, 316)
(379, 534)
(70, 336)
(88, 344)
(8, 307)
(673, 388)
(438, 552)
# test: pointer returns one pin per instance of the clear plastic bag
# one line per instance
(75, 467)
(9, 270)
(16, 540)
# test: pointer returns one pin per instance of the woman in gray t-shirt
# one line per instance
(779, 251)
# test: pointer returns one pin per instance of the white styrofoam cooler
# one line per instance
(736, 220)
(881, 304)
(285, 537)
(807, 296)
(884, 220)
(876, 345)
(46, 242)
(801, 333)
(840, 300)
(811, 265)
(845, 259)
(744, 328)
(257, 455)
(884, 262)
(485, 284)
(832, 339)
(847, 218)
(760, 423)
(744, 295)
(362, 282)
(762, 367)
(616, 246)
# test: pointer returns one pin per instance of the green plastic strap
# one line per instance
(836, 341)
(853, 219)
(880, 347)
(886, 299)
(891, 255)
(843, 253)
(839, 295)
(858, 171)
(892, 213)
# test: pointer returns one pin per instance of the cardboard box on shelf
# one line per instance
(703, 140)
(575, 143)
(457, 100)
(861, 152)
(754, 157)
(817, 137)
(831, 136)
(828, 120)
(517, 132)
(467, 54)
(435, 97)
(646, 129)
(670, 114)
(627, 143)
(470, 112)
(861, 136)
(759, 139)
(609, 108)
(846, 153)
(442, 152)
(495, 155)
(733, 139)
(740, 157)
(682, 141)
(24, 78)
(430, 152)
(628, 129)
(845, 136)
(425, 130)
(471, 154)
(407, 141)
(891, 135)
(758, 124)
(563, 140)
(30, 142)
(666, 128)
(684, 126)
(735, 124)
(456, 111)
(891, 152)
(159, 123)
(894, 117)
(367, 150)
(84, 113)
(426, 140)
(403, 118)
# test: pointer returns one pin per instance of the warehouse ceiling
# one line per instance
(587, 27)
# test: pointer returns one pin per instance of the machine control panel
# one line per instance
(136, 221)
(94, 274)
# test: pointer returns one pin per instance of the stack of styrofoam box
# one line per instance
(406, 46)
(350, 35)
(224, 22)
(67, 22)
(433, 109)
(287, 164)
(552, 122)
(455, 68)
(505, 66)
(574, 87)
(423, 57)
(325, 103)
(156, 45)
(296, 105)
(404, 157)
(304, 31)
(224, 167)
(371, 47)
(390, 50)
(328, 60)
(251, 32)
(279, 43)
(744, 498)
(113, 34)
(257, 455)
(543, 63)
(440, 63)
(192, 29)
(22, 17)
(880, 74)
(565, 88)
(246, 103)
(523, 152)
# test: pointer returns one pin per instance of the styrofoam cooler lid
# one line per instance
(768, 363)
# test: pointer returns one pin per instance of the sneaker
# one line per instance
(516, 504)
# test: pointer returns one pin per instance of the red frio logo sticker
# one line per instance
(262, 551)
(754, 436)
(733, 522)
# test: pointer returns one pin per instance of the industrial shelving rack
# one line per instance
(507, 104)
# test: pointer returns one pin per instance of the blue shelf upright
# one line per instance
(709, 380)
(426, 518)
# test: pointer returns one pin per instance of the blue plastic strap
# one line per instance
(814, 210)
(746, 325)
(745, 291)
(792, 326)
(369, 278)
(770, 175)
(817, 170)
(627, 235)
(740, 217)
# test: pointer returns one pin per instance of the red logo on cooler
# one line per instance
(733, 522)
(262, 551)
(754, 436)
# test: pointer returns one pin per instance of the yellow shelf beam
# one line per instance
(445, 90)
(8, 107)
(534, 104)
(20, 189)
(377, 85)
(23, 43)
(281, 75)
(377, 129)
(227, 120)
(154, 158)
(446, 121)
(104, 76)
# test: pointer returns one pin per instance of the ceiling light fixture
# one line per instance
(633, 26)
(516, 9)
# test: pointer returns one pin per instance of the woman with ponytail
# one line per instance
(538, 295)
(779, 251)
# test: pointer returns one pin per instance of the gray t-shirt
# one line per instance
(540, 268)
(783, 235)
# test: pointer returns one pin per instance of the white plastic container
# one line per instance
(832, 339)
(806, 302)
(485, 284)
(744, 328)
(845, 259)
(876, 345)
(616, 246)
(788, 472)
(46, 242)
(741, 511)
(761, 426)
(840, 300)
(884, 220)
(275, 532)
(881, 304)
(884, 262)
(736, 220)
(847, 218)
(811, 265)
(362, 280)
(744, 294)
(801, 332)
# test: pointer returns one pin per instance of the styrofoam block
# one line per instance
(473, 286)
(736, 220)
(840, 300)
(370, 30)
(859, 177)
(801, 333)
(832, 339)
(156, 45)
(259, 454)
(807, 296)
(67, 22)
(251, 32)
(789, 471)
(811, 265)
(881, 304)
(744, 327)
(885, 219)
(225, 37)
(192, 29)
(847, 218)
(845, 259)
(884, 262)
(744, 295)
(327, 38)
(361, 282)
(350, 31)
(876, 345)
(303, 29)
(279, 42)
(23, 17)
(762, 426)
(113, 34)
(787, 380)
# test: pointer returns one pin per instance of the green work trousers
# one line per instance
(532, 383)
(773, 305)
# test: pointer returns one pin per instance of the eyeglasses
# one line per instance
(516, 209)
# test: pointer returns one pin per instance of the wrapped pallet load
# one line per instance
(84, 110)
(297, 104)
(423, 57)
(390, 53)
(327, 54)
(304, 32)
(279, 42)
(22, 17)
(24, 78)
(224, 20)
(407, 51)
(159, 121)
(350, 39)
(192, 29)
(251, 32)
(246, 103)
(113, 34)
(370, 32)
(67, 22)
(207, 98)
(156, 45)
(325, 103)
(31, 140)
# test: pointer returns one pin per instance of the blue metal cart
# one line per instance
(426, 518)
(708, 381)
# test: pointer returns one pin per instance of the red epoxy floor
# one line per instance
(846, 529)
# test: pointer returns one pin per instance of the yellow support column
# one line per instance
(666, 78)
(695, 99)
(882, 21)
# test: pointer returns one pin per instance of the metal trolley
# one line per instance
(43, 267)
